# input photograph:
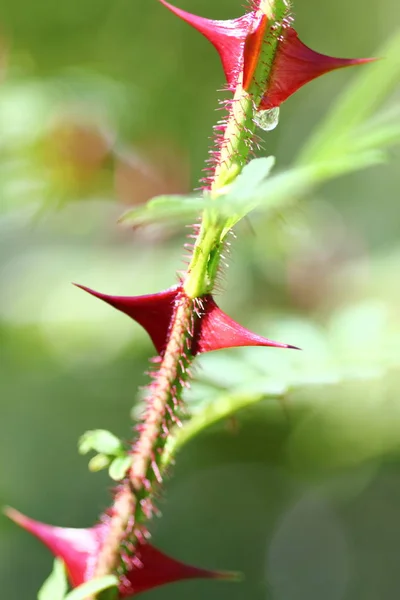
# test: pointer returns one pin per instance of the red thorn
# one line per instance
(79, 549)
(227, 37)
(252, 50)
(153, 311)
(239, 42)
(295, 65)
(217, 331)
(158, 569)
(213, 330)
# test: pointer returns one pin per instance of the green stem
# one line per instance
(236, 147)
(166, 389)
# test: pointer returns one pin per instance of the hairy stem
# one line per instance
(123, 508)
(134, 501)
(235, 149)
(163, 406)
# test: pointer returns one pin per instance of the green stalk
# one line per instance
(200, 279)
(236, 147)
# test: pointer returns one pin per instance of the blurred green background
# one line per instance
(103, 105)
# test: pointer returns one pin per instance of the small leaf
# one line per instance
(252, 176)
(99, 462)
(231, 206)
(171, 208)
(163, 208)
(55, 587)
(93, 587)
(119, 467)
(100, 440)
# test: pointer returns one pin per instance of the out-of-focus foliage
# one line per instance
(102, 106)
(56, 585)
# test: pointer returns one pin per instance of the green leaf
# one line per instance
(222, 407)
(336, 397)
(253, 174)
(163, 208)
(254, 189)
(231, 207)
(101, 441)
(182, 208)
(99, 462)
(92, 587)
(55, 587)
(119, 467)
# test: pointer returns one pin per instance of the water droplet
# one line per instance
(267, 119)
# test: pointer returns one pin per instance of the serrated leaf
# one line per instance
(119, 467)
(99, 462)
(101, 441)
(92, 587)
(56, 585)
